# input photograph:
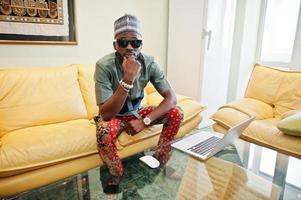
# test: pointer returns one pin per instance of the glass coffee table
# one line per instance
(241, 171)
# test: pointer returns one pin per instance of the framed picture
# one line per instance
(38, 22)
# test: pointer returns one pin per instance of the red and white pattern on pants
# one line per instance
(107, 131)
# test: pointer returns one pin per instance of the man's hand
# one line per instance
(131, 68)
(135, 126)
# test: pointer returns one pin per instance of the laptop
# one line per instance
(205, 144)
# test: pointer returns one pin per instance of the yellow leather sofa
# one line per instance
(46, 128)
(270, 93)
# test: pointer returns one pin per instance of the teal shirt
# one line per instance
(108, 73)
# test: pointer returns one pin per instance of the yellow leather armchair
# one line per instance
(270, 94)
(46, 128)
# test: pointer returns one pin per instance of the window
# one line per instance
(279, 24)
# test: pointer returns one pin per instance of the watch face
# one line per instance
(146, 121)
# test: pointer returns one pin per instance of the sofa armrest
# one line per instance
(228, 117)
(252, 107)
(154, 99)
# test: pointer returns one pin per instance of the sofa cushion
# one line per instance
(35, 147)
(190, 108)
(87, 87)
(291, 125)
(37, 96)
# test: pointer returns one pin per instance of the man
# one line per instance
(120, 78)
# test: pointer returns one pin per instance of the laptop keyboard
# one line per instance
(205, 146)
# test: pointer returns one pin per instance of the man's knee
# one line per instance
(176, 113)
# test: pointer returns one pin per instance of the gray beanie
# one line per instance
(127, 23)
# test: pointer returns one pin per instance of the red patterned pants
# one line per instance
(107, 132)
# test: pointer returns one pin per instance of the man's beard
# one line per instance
(127, 54)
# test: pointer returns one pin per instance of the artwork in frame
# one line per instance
(37, 22)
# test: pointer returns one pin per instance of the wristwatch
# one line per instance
(146, 121)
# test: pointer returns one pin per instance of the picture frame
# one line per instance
(51, 22)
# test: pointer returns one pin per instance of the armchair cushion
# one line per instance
(264, 84)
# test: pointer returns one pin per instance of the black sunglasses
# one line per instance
(124, 43)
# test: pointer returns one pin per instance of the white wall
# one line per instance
(95, 20)
(184, 46)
